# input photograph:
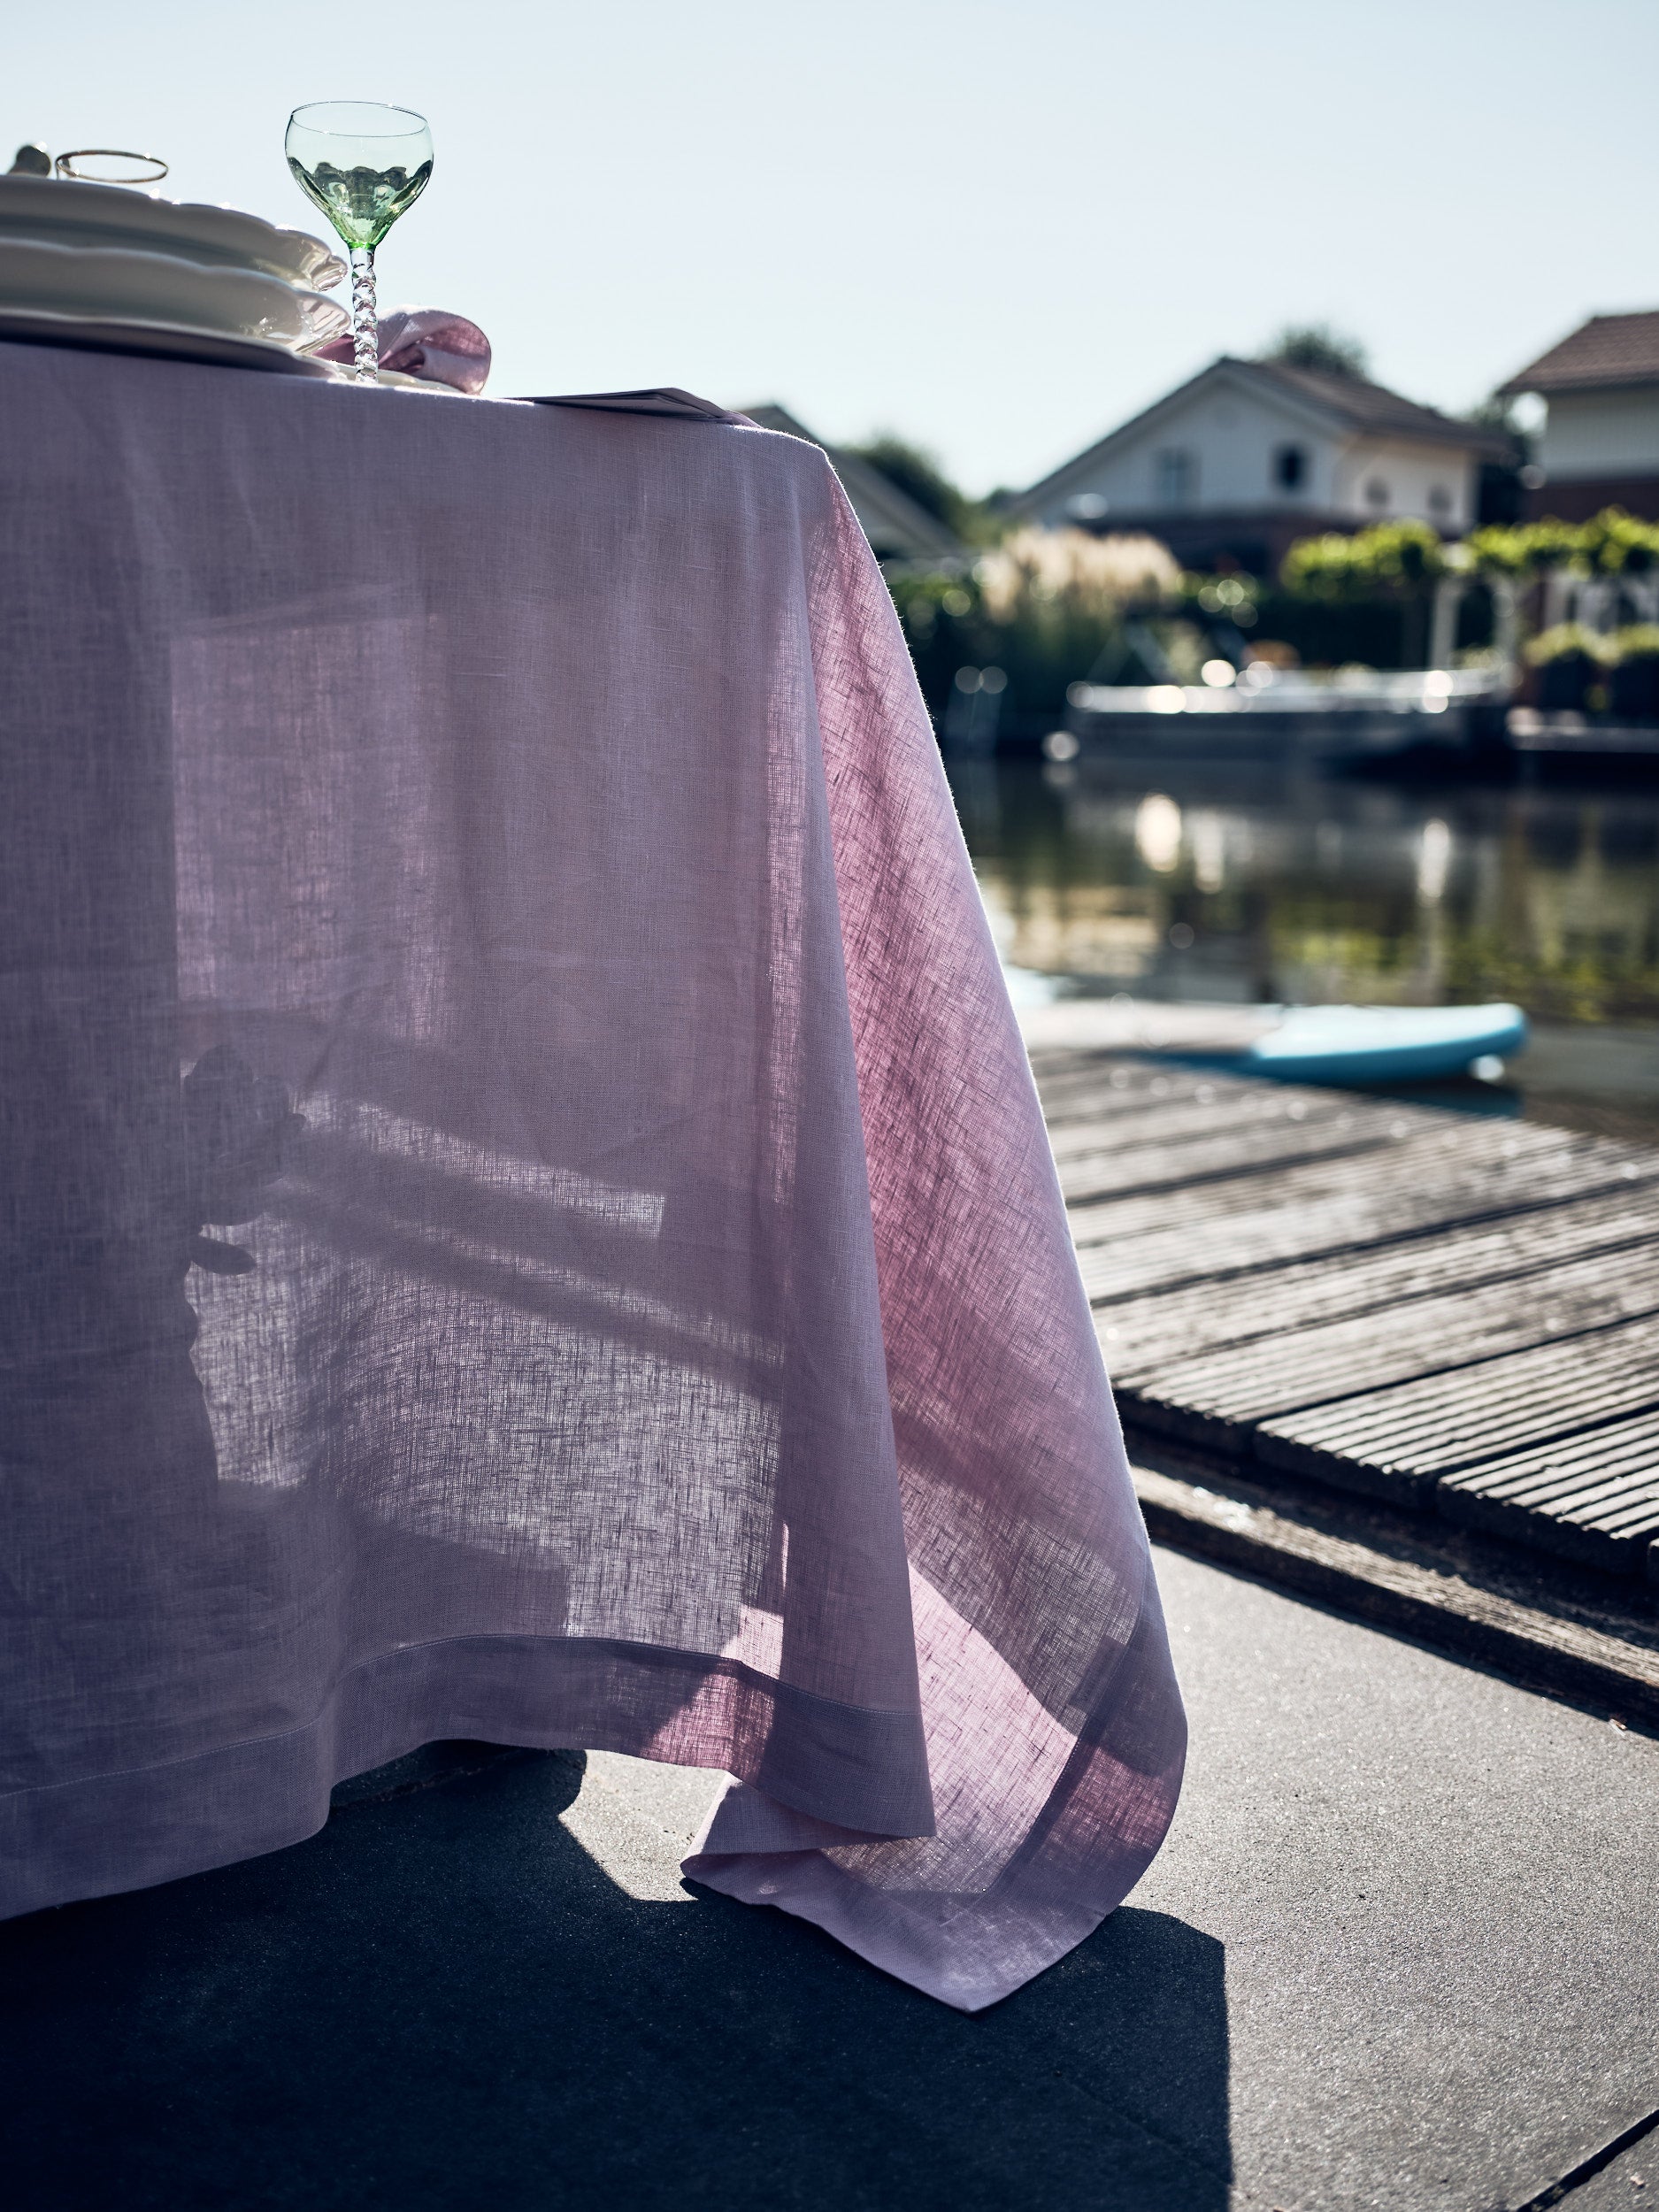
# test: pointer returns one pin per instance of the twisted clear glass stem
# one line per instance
(365, 328)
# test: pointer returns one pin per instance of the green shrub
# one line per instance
(1611, 543)
(1391, 560)
(1639, 642)
(1614, 543)
(1567, 641)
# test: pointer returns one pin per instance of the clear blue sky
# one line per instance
(996, 226)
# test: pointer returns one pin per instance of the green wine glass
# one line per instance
(363, 164)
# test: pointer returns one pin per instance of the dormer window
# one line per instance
(1290, 467)
(1377, 492)
(1175, 476)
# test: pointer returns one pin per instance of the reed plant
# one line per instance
(1043, 607)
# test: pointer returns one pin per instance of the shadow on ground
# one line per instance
(441, 2001)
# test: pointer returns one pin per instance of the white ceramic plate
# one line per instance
(19, 324)
(173, 343)
(65, 212)
(109, 284)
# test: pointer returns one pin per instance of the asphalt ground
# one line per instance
(1401, 1950)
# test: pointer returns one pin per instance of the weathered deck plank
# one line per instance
(1591, 1497)
(1143, 1169)
(1142, 1333)
(1317, 1363)
(1429, 1180)
(1459, 1314)
(1175, 1123)
(1404, 1436)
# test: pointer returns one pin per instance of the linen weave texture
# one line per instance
(526, 1213)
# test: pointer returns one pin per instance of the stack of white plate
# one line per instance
(101, 264)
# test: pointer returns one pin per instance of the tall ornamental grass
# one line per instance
(1043, 607)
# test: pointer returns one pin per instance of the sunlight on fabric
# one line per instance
(758, 1642)
(977, 1708)
(423, 1228)
(491, 1169)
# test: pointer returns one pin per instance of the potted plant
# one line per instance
(1632, 683)
(1565, 661)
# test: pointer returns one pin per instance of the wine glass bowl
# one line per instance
(363, 164)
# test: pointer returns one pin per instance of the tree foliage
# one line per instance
(1316, 346)
(917, 473)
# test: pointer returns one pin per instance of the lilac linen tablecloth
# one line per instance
(526, 1213)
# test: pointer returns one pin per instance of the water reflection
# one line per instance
(1244, 887)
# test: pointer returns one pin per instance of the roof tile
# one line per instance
(1607, 349)
(1374, 408)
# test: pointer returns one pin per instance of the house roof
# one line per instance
(1607, 349)
(890, 519)
(1373, 410)
(1347, 404)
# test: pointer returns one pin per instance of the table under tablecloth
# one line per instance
(526, 1215)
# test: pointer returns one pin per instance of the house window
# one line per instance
(1440, 500)
(1175, 476)
(1377, 492)
(1290, 467)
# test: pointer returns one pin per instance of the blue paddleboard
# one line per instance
(1384, 1044)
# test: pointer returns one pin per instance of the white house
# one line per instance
(1248, 456)
(1600, 445)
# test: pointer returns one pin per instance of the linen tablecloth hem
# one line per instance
(967, 1952)
(131, 1829)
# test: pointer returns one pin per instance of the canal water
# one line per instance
(1282, 887)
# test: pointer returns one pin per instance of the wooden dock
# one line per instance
(1456, 1315)
(1538, 737)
